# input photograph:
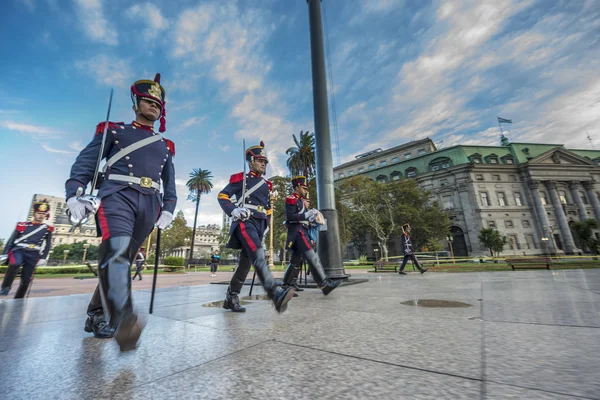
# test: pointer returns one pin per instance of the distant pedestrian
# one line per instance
(408, 251)
(214, 263)
(140, 259)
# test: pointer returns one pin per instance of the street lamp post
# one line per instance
(272, 252)
(376, 253)
(545, 241)
(86, 246)
(65, 254)
(450, 239)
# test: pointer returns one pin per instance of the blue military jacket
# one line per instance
(22, 238)
(294, 218)
(154, 161)
(259, 201)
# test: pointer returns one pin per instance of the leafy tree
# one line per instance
(174, 236)
(76, 251)
(584, 234)
(492, 239)
(200, 183)
(2, 242)
(223, 239)
(382, 208)
(302, 159)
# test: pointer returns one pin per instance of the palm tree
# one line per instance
(200, 183)
(301, 160)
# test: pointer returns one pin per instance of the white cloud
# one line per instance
(93, 22)
(34, 130)
(191, 122)
(150, 15)
(53, 150)
(230, 44)
(107, 70)
(77, 145)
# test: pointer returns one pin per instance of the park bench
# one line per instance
(382, 265)
(529, 262)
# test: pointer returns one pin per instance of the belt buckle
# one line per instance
(145, 182)
(31, 246)
(260, 209)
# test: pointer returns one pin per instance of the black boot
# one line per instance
(114, 272)
(290, 277)
(232, 302)
(314, 264)
(9, 277)
(281, 295)
(22, 290)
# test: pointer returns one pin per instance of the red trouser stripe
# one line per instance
(103, 222)
(11, 259)
(247, 237)
(305, 241)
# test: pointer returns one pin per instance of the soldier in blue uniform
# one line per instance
(298, 219)
(28, 247)
(138, 160)
(250, 221)
(408, 252)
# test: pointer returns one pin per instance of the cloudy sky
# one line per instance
(233, 70)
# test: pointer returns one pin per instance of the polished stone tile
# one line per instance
(552, 358)
(494, 391)
(65, 362)
(273, 370)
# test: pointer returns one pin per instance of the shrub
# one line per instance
(175, 261)
(362, 259)
(151, 258)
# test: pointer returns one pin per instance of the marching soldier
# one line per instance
(298, 220)
(250, 221)
(139, 264)
(138, 160)
(408, 252)
(28, 247)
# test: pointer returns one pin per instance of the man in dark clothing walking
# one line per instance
(408, 252)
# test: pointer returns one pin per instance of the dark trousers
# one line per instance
(139, 266)
(414, 260)
(249, 234)
(302, 250)
(125, 219)
(214, 267)
(28, 260)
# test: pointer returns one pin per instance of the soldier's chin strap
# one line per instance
(137, 108)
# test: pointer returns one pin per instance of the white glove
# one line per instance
(241, 213)
(79, 209)
(42, 262)
(311, 214)
(164, 220)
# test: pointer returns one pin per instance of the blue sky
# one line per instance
(233, 70)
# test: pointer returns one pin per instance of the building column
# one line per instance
(561, 218)
(542, 217)
(574, 187)
(591, 192)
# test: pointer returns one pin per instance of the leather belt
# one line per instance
(29, 246)
(143, 181)
(257, 208)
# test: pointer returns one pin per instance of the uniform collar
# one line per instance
(252, 173)
(142, 126)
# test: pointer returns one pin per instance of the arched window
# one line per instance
(396, 175)
(382, 179)
(440, 163)
(411, 172)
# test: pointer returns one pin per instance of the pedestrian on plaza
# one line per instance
(215, 258)
(408, 251)
(28, 247)
(138, 160)
(298, 220)
(140, 258)
(251, 214)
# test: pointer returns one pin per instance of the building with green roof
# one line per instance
(530, 192)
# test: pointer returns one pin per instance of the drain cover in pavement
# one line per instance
(243, 300)
(434, 303)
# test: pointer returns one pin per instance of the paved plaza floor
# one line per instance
(531, 334)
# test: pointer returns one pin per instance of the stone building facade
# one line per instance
(207, 240)
(530, 192)
(60, 221)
